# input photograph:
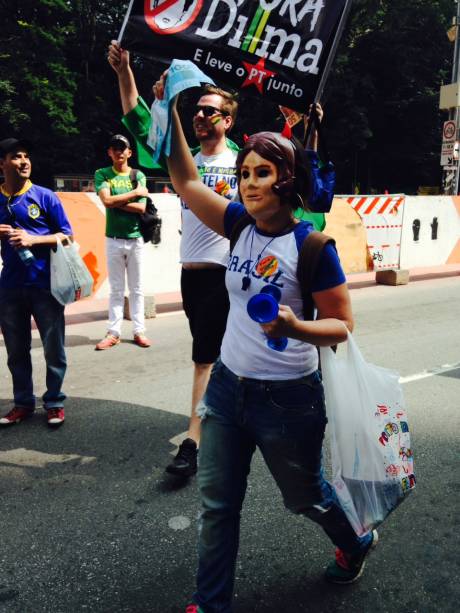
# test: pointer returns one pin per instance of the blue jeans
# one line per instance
(286, 421)
(16, 308)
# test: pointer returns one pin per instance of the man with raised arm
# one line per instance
(203, 253)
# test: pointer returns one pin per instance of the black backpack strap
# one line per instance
(309, 255)
(240, 225)
(133, 177)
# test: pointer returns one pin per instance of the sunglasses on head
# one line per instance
(209, 111)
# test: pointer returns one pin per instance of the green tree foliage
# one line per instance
(382, 101)
(37, 85)
(382, 121)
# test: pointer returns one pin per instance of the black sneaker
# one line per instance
(185, 462)
(348, 568)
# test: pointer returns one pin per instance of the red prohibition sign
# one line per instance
(171, 16)
(449, 129)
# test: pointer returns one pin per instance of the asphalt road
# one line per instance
(90, 523)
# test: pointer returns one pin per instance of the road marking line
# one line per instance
(430, 373)
(177, 440)
(33, 458)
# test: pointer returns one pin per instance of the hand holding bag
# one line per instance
(70, 278)
(372, 461)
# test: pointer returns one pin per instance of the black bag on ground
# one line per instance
(149, 221)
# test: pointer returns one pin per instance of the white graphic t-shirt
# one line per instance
(199, 243)
(269, 260)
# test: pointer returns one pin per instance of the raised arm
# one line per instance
(312, 142)
(119, 60)
(208, 206)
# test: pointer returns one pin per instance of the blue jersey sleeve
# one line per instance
(329, 272)
(233, 212)
(56, 215)
(322, 184)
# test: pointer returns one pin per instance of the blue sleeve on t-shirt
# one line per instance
(233, 212)
(322, 185)
(56, 215)
(329, 272)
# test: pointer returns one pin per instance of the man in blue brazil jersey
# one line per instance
(32, 220)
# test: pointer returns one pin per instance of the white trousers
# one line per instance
(125, 256)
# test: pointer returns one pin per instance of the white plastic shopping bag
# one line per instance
(372, 461)
(70, 278)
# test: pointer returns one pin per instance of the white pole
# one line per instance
(455, 79)
(125, 22)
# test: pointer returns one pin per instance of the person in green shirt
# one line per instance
(124, 242)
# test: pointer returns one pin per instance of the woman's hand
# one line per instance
(283, 325)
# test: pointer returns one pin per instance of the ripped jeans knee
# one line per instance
(203, 410)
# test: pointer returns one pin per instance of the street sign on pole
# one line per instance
(449, 136)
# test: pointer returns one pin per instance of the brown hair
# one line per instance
(291, 161)
(229, 103)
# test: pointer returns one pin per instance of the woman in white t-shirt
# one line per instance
(259, 397)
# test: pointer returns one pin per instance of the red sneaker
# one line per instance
(55, 417)
(108, 341)
(193, 608)
(347, 568)
(15, 416)
(142, 341)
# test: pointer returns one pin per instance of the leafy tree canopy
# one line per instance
(382, 123)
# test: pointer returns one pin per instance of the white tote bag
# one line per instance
(372, 460)
(70, 278)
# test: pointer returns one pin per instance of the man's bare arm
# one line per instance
(119, 60)
(124, 201)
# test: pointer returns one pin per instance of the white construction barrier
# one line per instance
(372, 233)
(382, 217)
(431, 231)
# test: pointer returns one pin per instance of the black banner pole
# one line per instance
(327, 68)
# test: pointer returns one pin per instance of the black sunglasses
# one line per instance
(209, 111)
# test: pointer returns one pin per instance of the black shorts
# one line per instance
(206, 305)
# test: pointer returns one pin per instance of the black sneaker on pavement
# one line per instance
(347, 568)
(185, 462)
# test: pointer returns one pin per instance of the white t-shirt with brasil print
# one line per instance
(199, 243)
(244, 348)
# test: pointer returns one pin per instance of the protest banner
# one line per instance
(276, 49)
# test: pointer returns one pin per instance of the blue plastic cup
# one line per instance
(263, 308)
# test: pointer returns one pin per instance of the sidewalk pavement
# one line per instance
(95, 309)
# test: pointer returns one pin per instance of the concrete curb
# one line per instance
(96, 309)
